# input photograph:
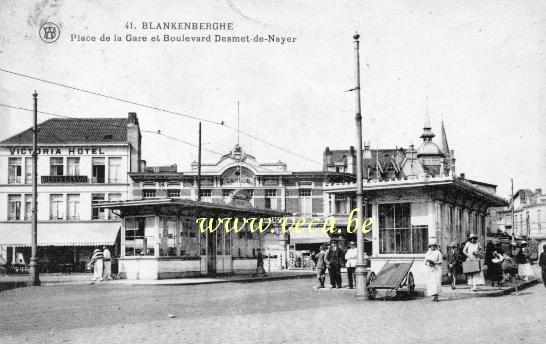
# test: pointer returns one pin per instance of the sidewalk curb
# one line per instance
(496, 293)
(238, 280)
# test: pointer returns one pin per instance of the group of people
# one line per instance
(101, 261)
(500, 267)
(331, 257)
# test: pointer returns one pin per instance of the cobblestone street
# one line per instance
(288, 311)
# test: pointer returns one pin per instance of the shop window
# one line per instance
(14, 207)
(139, 236)
(113, 197)
(28, 170)
(395, 233)
(191, 243)
(97, 213)
(73, 166)
(28, 207)
(173, 193)
(14, 171)
(56, 166)
(56, 206)
(114, 170)
(73, 207)
(207, 193)
(98, 170)
(168, 237)
(226, 192)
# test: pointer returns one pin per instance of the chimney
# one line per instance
(134, 138)
(538, 192)
(367, 154)
(462, 176)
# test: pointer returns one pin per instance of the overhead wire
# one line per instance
(194, 117)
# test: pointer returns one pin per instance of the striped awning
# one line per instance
(306, 237)
(60, 234)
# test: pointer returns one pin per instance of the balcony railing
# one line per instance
(64, 179)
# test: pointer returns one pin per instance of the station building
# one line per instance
(80, 162)
(413, 196)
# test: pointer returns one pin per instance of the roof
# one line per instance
(66, 234)
(75, 130)
(384, 156)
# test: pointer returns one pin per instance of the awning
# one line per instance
(60, 234)
(304, 236)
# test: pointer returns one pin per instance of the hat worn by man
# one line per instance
(352, 243)
(453, 244)
(473, 236)
(333, 241)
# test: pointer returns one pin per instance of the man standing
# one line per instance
(350, 258)
(107, 257)
(334, 260)
(97, 262)
(320, 266)
(453, 263)
(542, 264)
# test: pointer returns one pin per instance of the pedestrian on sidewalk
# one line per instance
(320, 266)
(542, 264)
(509, 268)
(495, 269)
(334, 260)
(350, 258)
(472, 252)
(433, 262)
(97, 262)
(260, 271)
(107, 258)
(453, 263)
(524, 264)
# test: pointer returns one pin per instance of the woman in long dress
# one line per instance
(524, 264)
(472, 252)
(433, 262)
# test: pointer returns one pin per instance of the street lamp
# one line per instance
(360, 271)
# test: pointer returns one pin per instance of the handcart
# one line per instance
(394, 280)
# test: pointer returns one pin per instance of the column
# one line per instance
(375, 229)
(157, 241)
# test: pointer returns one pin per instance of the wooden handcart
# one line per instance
(394, 280)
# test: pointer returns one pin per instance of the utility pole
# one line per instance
(360, 271)
(199, 166)
(34, 278)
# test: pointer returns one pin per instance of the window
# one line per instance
(28, 170)
(189, 238)
(539, 220)
(14, 170)
(73, 166)
(73, 207)
(270, 199)
(168, 236)
(139, 236)
(14, 207)
(206, 193)
(97, 213)
(114, 170)
(56, 205)
(226, 192)
(341, 204)
(305, 201)
(28, 207)
(113, 197)
(173, 193)
(56, 166)
(98, 170)
(148, 193)
(395, 233)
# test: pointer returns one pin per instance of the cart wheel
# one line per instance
(372, 292)
(411, 286)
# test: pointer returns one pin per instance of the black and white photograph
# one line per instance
(239, 171)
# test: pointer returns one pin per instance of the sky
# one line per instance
(479, 63)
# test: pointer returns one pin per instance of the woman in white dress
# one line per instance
(433, 262)
(472, 251)
(524, 264)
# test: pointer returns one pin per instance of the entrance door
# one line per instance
(211, 252)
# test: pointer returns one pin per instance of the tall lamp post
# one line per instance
(34, 278)
(360, 271)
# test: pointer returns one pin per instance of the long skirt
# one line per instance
(434, 280)
(525, 270)
(476, 277)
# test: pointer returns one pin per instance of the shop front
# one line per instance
(161, 238)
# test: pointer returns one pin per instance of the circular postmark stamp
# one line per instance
(49, 32)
